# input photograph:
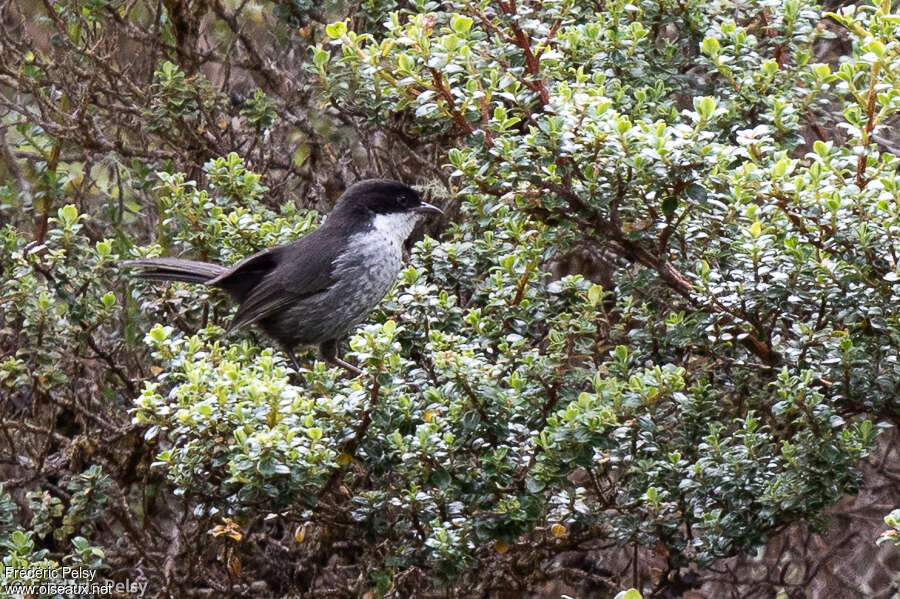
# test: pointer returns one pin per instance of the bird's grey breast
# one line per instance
(361, 276)
(368, 268)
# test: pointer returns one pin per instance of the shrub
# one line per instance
(717, 384)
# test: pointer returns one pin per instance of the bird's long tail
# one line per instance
(175, 269)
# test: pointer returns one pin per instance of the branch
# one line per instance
(666, 271)
(358, 435)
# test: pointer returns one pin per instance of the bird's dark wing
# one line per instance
(291, 273)
(244, 276)
(262, 304)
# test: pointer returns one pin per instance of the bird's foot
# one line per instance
(331, 359)
(290, 354)
(345, 365)
(329, 352)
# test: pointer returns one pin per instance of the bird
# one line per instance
(314, 290)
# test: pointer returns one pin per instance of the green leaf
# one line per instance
(875, 47)
(533, 485)
(159, 333)
(450, 42)
(405, 62)
(669, 205)
(20, 540)
(336, 30)
(697, 192)
(440, 478)
(781, 168)
(821, 70)
(389, 328)
(755, 229)
(595, 294)
(705, 106)
(68, 214)
(710, 46)
(460, 24)
(320, 56)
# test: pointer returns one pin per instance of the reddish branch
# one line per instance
(458, 117)
(522, 40)
(358, 435)
(667, 272)
(861, 180)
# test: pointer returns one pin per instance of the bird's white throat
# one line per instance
(396, 225)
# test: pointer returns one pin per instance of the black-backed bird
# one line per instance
(314, 290)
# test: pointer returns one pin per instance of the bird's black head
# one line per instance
(388, 206)
(381, 196)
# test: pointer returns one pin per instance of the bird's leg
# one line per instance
(329, 352)
(290, 354)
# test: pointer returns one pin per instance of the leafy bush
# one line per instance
(487, 385)
(720, 384)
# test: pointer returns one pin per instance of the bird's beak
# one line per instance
(425, 208)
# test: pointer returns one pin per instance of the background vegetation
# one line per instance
(654, 343)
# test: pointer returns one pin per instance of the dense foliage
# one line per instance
(719, 381)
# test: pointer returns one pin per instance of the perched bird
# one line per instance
(314, 290)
